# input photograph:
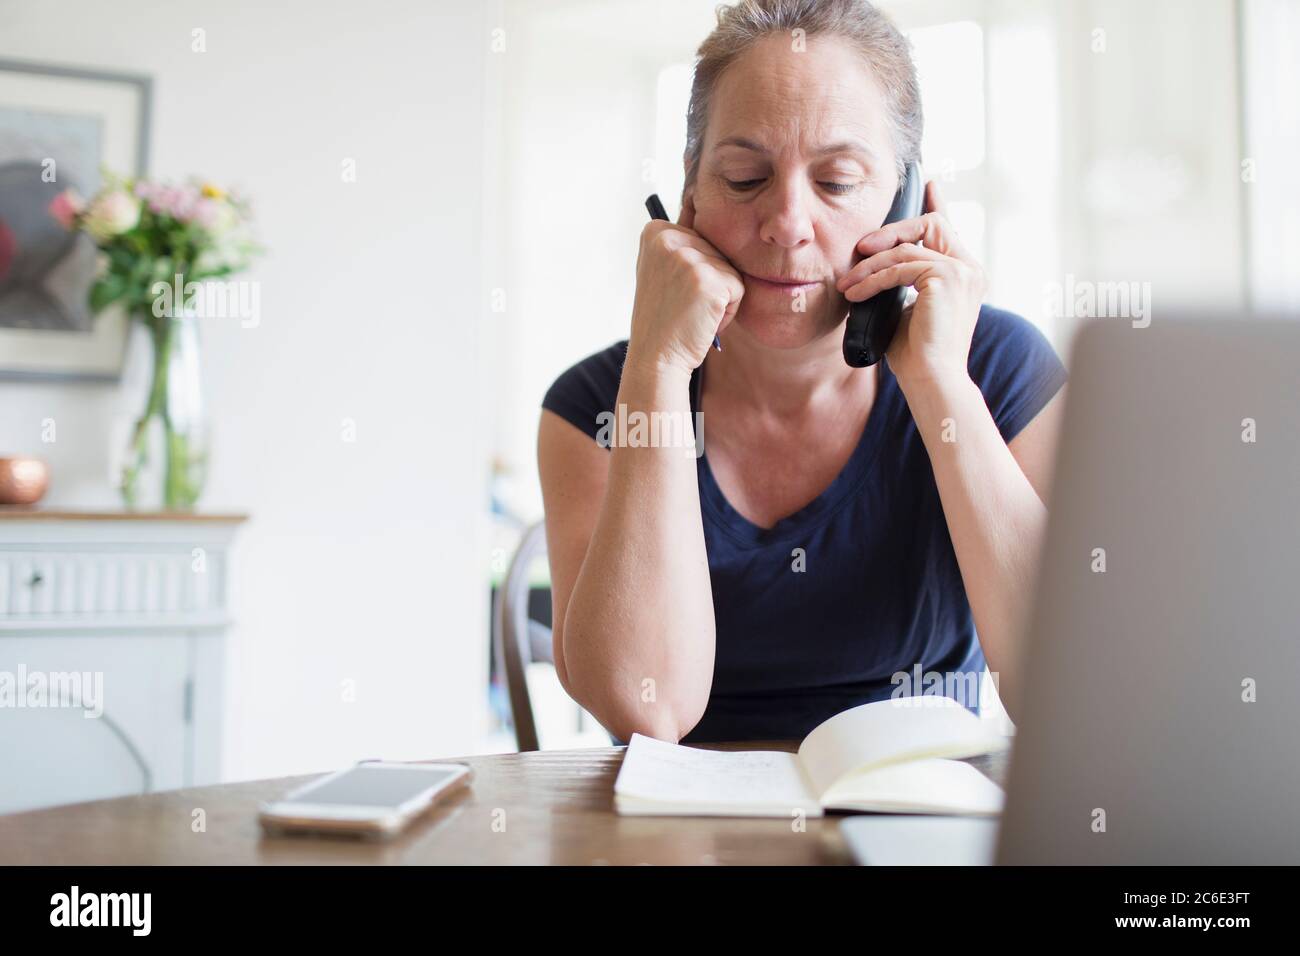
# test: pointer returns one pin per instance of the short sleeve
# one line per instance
(589, 389)
(1015, 368)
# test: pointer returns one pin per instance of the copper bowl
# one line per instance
(23, 481)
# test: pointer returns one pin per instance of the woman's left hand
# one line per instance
(934, 335)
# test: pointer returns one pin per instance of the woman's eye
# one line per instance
(745, 185)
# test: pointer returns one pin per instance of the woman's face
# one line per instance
(797, 166)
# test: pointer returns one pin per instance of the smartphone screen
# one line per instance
(375, 787)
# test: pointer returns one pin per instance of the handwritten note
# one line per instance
(686, 777)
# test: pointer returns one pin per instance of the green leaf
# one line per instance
(105, 292)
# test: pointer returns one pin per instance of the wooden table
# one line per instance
(551, 807)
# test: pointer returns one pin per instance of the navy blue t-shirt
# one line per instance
(820, 612)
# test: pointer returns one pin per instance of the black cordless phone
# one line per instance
(872, 323)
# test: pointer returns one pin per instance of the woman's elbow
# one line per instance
(624, 703)
(658, 721)
(634, 710)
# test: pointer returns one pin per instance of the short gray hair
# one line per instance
(872, 33)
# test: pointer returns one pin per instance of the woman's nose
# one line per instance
(786, 219)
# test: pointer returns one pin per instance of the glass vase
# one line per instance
(166, 459)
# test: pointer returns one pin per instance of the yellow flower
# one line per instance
(213, 192)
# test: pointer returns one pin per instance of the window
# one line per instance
(949, 61)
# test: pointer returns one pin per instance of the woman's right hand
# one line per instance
(686, 292)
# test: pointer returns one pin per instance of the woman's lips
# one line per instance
(775, 285)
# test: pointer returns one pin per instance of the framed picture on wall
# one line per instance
(59, 126)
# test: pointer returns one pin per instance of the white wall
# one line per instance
(578, 123)
(363, 561)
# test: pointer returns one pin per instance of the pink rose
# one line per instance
(66, 207)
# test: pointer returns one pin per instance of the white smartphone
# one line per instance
(374, 798)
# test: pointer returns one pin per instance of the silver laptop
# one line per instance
(1160, 720)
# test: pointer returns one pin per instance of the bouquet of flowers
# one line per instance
(153, 238)
(151, 232)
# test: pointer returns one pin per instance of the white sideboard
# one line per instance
(112, 634)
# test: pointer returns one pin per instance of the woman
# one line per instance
(846, 531)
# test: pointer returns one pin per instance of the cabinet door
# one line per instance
(57, 750)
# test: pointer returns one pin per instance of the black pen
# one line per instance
(657, 211)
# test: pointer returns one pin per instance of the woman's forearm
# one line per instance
(638, 633)
(995, 518)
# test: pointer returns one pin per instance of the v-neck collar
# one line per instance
(850, 478)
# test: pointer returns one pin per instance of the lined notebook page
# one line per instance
(658, 771)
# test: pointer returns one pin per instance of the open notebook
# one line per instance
(891, 756)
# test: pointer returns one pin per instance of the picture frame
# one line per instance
(60, 126)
